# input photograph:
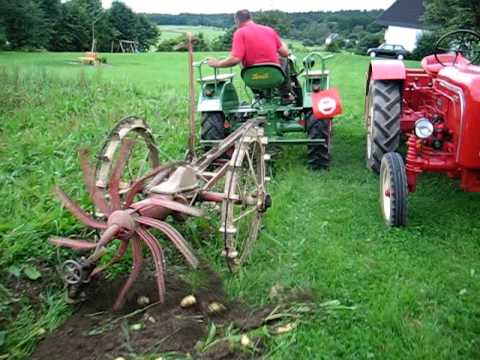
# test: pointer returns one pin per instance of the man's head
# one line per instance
(242, 16)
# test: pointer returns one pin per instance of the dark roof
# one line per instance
(404, 13)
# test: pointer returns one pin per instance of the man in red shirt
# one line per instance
(255, 44)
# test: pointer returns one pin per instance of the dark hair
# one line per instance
(243, 15)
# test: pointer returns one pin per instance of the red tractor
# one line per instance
(435, 111)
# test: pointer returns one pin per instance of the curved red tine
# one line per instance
(114, 184)
(175, 237)
(96, 195)
(118, 256)
(76, 211)
(106, 237)
(136, 269)
(75, 244)
(157, 253)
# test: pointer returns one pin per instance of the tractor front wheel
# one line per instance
(319, 154)
(393, 190)
(213, 126)
(382, 114)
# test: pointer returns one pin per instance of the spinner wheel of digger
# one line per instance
(142, 157)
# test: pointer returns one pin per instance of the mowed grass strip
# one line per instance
(406, 294)
(172, 31)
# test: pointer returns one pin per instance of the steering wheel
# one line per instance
(459, 42)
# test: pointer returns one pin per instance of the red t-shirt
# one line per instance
(256, 44)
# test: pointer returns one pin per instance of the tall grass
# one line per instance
(44, 119)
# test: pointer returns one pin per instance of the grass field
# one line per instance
(209, 32)
(406, 294)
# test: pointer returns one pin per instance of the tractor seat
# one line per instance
(219, 77)
(431, 65)
(263, 76)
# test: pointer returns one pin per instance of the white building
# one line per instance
(403, 21)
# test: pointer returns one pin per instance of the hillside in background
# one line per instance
(353, 30)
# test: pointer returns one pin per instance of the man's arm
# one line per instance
(283, 50)
(236, 55)
(228, 62)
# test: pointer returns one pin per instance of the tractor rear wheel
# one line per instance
(393, 190)
(319, 154)
(213, 126)
(382, 114)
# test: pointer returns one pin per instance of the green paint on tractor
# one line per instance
(222, 112)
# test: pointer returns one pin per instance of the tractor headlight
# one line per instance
(423, 128)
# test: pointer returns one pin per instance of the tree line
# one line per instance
(352, 29)
(442, 16)
(57, 25)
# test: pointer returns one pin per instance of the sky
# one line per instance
(226, 6)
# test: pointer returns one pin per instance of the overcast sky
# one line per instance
(226, 6)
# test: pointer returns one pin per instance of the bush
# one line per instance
(425, 45)
(180, 44)
(370, 41)
(334, 46)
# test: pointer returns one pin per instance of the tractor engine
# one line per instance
(440, 119)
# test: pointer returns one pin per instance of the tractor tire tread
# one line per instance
(213, 126)
(385, 129)
(319, 156)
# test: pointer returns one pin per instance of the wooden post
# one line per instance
(192, 138)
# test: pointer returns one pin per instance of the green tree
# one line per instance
(224, 42)
(3, 36)
(447, 15)
(24, 24)
(276, 19)
(425, 45)
(179, 43)
(369, 41)
(123, 20)
(52, 10)
(146, 32)
(74, 30)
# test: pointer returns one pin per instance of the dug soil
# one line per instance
(145, 327)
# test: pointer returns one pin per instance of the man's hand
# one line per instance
(215, 63)
(228, 62)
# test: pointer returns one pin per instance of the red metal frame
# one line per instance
(449, 96)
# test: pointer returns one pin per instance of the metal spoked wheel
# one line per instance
(142, 156)
(246, 198)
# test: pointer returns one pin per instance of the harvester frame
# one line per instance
(133, 194)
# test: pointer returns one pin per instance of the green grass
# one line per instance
(210, 33)
(415, 291)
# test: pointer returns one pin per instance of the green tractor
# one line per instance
(309, 112)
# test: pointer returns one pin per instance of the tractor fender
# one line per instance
(386, 70)
(326, 104)
(209, 105)
(225, 99)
